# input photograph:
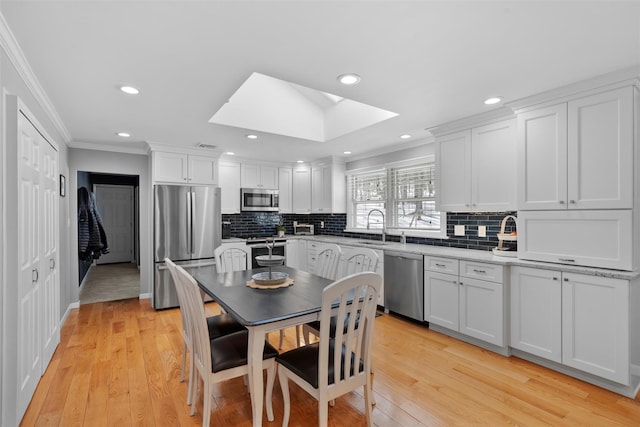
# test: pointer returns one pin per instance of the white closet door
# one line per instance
(31, 271)
(39, 294)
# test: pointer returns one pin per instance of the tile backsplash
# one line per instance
(263, 224)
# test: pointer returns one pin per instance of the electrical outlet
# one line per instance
(321, 224)
(458, 230)
(482, 231)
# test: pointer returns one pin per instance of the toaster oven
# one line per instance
(303, 229)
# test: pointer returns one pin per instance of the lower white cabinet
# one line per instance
(579, 320)
(466, 297)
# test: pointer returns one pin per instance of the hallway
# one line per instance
(110, 282)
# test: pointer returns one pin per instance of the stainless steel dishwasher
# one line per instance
(404, 284)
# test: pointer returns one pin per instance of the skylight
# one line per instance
(271, 105)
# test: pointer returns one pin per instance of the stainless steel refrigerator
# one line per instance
(187, 229)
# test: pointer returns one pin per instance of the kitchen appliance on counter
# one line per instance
(302, 229)
(506, 249)
(404, 284)
(226, 229)
(259, 200)
(187, 229)
(259, 247)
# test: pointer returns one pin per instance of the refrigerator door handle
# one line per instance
(189, 223)
(193, 209)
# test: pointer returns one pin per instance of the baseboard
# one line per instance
(145, 296)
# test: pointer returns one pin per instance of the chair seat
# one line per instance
(223, 324)
(230, 351)
(303, 361)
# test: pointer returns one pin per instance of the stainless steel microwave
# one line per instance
(259, 200)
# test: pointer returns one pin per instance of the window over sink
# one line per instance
(397, 198)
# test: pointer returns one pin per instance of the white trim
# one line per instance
(400, 163)
(146, 296)
(19, 61)
(130, 149)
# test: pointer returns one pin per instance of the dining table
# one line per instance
(262, 311)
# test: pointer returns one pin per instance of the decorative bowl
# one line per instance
(269, 261)
(269, 278)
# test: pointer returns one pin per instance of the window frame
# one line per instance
(391, 201)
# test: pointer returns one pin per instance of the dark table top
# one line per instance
(252, 306)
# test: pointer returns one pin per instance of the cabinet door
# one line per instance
(268, 177)
(453, 169)
(170, 167)
(230, 187)
(599, 238)
(600, 151)
(542, 158)
(202, 170)
(536, 312)
(285, 189)
(303, 255)
(301, 190)
(441, 295)
(595, 325)
(321, 189)
(493, 167)
(292, 254)
(482, 310)
(250, 176)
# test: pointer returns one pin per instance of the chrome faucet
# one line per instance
(384, 231)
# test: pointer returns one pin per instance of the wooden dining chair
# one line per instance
(232, 257)
(355, 260)
(217, 326)
(333, 367)
(221, 358)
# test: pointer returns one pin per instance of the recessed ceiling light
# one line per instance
(347, 152)
(405, 136)
(349, 79)
(123, 134)
(231, 153)
(492, 100)
(252, 136)
(130, 90)
(300, 161)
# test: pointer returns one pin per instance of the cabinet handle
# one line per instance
(440, 265)
(37, 275)
(555, 278)
(479, 271)
(466, 205)
(52, 263)
(461, 283)
(572, 202)
(566, 260)
(566, 279)
(562, 202)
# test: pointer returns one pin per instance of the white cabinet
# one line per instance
(579, 320)
(476, 169)
(466, 297)
(301, 190)
(599, 238)
(536, 312)
(230, 187)
(184, 168)
(328, 188)
(578, 154)
(285, 182)
(259, 176)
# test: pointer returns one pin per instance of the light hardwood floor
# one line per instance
(118, 364)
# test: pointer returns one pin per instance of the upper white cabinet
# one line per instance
(259, 176)
(230, 187)
(476, 169)
(328, 188)
(578, 154)
(301, 190)
(285, 182)
(184, 168)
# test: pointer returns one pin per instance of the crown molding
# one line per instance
(199, 151)
(19, 61)
(492, 116)
(626, 77)
(141, 149)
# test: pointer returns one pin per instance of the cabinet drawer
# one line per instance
(480, 270)
(442, 265)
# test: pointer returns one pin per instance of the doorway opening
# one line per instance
(113, 272)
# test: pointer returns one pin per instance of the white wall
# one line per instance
(12, 84)
(112, 163)
(418, 149)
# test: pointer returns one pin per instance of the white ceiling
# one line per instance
(431, 62)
